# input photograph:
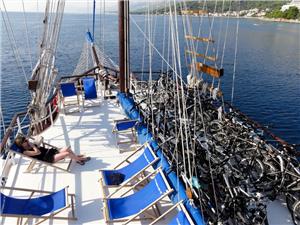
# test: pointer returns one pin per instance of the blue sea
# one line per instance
(267, 82)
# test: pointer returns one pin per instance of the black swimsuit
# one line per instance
(47, 154)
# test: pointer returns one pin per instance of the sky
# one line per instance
(72, 6)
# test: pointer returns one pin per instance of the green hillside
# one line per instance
(217, 6)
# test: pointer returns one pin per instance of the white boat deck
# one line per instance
(89, 132)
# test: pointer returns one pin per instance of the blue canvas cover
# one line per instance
(133, 204)
(131, 169)
(89, 37)
(68, 89)
(89, 86)
(144, 135)
(35, 206)
(128, 106)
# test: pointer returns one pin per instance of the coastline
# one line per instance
(274, 19)
(282, 20)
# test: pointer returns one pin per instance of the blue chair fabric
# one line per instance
(15, 148)
(131, 169)
(125, 125)
(89, 86)
(68, 89)
(35, 206)
(133, 204)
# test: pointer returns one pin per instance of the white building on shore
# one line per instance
(292, 3)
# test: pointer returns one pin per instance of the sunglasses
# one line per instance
(25, 141)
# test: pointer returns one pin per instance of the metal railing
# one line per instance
(21, 122)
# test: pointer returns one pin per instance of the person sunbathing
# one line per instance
(51, 155)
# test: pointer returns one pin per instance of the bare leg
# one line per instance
(72, 155)
(62, 155)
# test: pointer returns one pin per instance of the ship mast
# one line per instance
(45, 72)
(124, 45)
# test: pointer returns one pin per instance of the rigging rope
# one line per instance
(235, 52)
(150, 52)
(152, 45)
(226, 34)
(27, 38)
(2, 124)
(164, 37)
(12, 40)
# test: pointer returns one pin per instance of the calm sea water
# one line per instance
(267, 84)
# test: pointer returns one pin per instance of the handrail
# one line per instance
(40, 125)
(43, 123)
(9, 130)
(52, 97)
(258, 125)
(78, 76)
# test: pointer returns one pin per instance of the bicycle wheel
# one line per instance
(293, 205)
(254, 169)
(296, 212)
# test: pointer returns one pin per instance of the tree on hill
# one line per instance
(291, 13)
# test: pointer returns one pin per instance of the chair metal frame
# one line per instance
(72, 101)
(179, 205)
(135, 176)
(153, 205)
(70, 203)
(34, 161)
(129, 130)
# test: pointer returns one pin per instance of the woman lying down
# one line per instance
(51, 155)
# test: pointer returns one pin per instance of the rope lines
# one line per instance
(235, 52)
(12, 40)
(27, 36)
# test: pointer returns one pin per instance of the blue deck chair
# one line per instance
(69, 96)
(132, 206)
(181, 218)
(45, 207)
(90, 91)
(132, 171)
(125, 127)
(14, 149)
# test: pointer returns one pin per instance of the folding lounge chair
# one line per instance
(69, 96)
(125, 127)
(90, 92)
(132, 206)
(181, 218)
(132, 171)
(43, 208)
(14, 149)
